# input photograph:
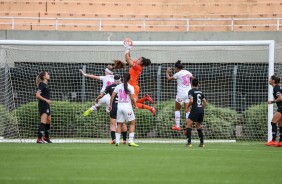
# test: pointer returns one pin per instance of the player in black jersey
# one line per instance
(113, 112)
(277, 117)
(43, 96)
(198, 103)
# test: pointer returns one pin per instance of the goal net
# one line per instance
(233, 76)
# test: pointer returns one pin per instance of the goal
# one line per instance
(233, 76)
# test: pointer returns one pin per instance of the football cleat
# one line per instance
(188, 145)
(279, 144)
(174, 127)
(153, 110)
(47, 140)
(201, 145)
(86, 113)
(113, 142)
(124, 142)
(117, 144)
(133, 144)
(271, 143)
(149, 98)
(40, 141)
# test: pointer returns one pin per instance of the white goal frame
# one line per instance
(269, 43)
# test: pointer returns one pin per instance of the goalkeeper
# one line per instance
(135, 72)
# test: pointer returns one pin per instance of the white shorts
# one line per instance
(182, 98)
(125, 115)
(105, 100)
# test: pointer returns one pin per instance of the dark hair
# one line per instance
(145, 61)
(195, 82)
(178, 64)
(40, 78)
(117, 77)
(126, 78)
(276, 79)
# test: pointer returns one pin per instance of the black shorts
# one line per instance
(113, 113)
(44, 109)
(196, 117)
(279, 110)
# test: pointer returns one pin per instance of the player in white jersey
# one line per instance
(183, 78)
(126, 103)
(108, 79)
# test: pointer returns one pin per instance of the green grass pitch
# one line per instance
(150, 163)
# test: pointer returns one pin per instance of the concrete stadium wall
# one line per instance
(144, 36)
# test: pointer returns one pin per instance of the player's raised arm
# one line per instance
(89, 75)
(168, 72)
(128, 45)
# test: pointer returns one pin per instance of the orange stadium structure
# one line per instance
(147, 15)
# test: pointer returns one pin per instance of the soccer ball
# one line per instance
(128, 41)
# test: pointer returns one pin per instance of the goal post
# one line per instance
(224, 68)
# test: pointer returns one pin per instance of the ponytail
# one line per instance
(126, 78)
(40, 78)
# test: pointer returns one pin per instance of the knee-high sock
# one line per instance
(274, 131)
(177, 118)
(201, 135)
(41, 130)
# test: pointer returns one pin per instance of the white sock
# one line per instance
(117, 137)
(177, 118)
(131, 136)
(93, 108)
(187, 115)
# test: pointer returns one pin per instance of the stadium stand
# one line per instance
(148, 15)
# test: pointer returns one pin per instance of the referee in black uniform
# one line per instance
(43, 96)
(198, 103)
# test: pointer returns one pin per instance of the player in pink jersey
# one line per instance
(108, 79)
(183, 78)
(125, 113)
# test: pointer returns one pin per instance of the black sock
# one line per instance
(201, 135)
(113, 135)
(41, 130)
(124, 135)
(189, 132)
(280, 131)
(274, 131)
(47, 130)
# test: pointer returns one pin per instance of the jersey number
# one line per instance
(122, 95)
(199, 100)
(186, 80)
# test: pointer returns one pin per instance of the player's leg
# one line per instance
(275, 119)
(124, 132)
(146, 97)
(177, 115)
(279, 144)
(189, 123)
(47, 129)
(113, 124)
(138, 102)
(118, 132)
(41, 129)
(120, 120)
(130, 116)
(199, 129)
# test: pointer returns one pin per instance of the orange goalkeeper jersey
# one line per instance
(135, 71)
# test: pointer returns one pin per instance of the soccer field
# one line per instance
(149, 163)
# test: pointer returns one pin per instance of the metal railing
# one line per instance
(143, 23)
